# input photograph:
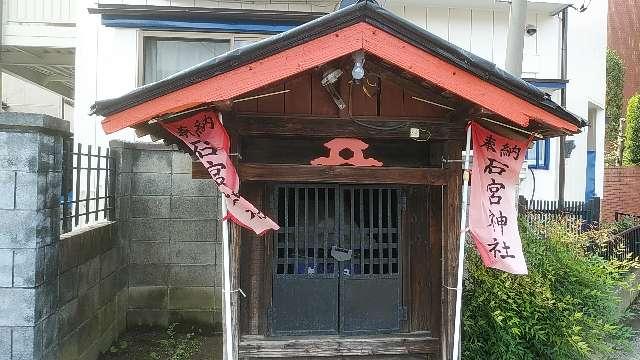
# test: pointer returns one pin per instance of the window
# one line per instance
(164, 57)
(538, 155)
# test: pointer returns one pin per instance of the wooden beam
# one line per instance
(324, 346)
(335, 174)
(340, 127)
(451, 231)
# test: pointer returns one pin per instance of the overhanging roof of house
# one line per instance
(363, 26)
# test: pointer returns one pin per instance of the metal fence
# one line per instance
(585, 214)
(88, 185)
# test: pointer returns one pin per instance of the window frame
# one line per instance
(187, 35)
(544, 164)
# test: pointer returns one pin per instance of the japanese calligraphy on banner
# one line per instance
(493, 219)
(204, 134)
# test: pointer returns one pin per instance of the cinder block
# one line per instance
(181, 162)
(50, 331)
(148, 274)
(191, 298)
(51, 262)
(89, 332)
(148, 297)
(46, 299)
(88, 274)
(192, 253)
(109, 314)
(204, 319)
(6, 267)
(148, 252)
(69, 252)
(68, 285)
(184, 185)
(68, 318)
(19, 151)
(23, 343)
(150, 207)
(111, 285)
(24, 267)
(7, 189)
(19, 228)
(69, 346)
(88, 304)
(194, 230)
(151, 184)
(110, 261)
(146, 317)
(90, 245)
(150, 229)
(5, 343)
(123, 207)
(151, 161)
(183, 207)
(194, 275)
(17, 307)
(123, 184)
(53, 353)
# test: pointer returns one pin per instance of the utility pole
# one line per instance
(563, 103)
(515, 37)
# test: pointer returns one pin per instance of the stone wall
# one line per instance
(621, 192)
(93, 293)
(170, 223)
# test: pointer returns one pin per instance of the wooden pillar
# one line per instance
(450, 237)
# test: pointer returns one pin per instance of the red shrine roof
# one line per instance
(360, 27)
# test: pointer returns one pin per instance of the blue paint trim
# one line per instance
(548, 85)
(541, 164)
(590, 186)
(254, 27)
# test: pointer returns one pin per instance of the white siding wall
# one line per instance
(108, 60)
(292, 5)
(22, 96)
(39, 22)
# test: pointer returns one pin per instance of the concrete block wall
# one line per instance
(30, 184)
(93, 292)
(171, 225)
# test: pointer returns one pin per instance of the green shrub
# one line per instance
(632, 132)
(614, 97)
(566, 308)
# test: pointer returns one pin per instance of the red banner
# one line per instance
(204, 134)
(493, 220)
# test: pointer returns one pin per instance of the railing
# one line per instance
(625, 245)
(587, 214)
(88, 184)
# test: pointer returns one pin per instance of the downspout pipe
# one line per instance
(515, 37)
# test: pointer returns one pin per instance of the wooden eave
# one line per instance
(375, 42)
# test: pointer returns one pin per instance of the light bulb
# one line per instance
(358, 72)
(358, 66)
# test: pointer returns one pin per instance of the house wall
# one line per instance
(22, 96)
(170, 225)
(39, 22)
(109, 63)
(624, 38)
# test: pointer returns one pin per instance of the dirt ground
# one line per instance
(158, 344)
